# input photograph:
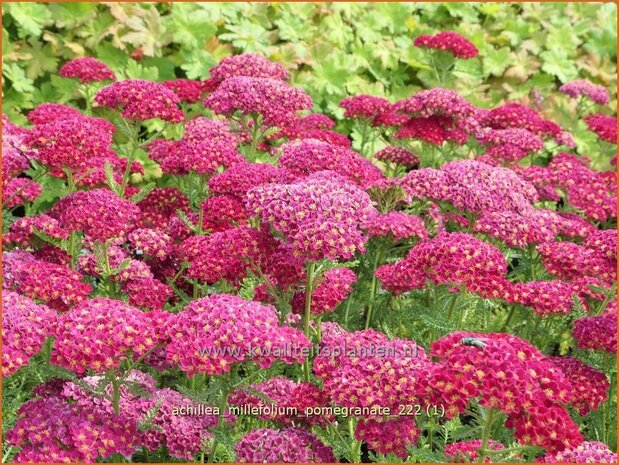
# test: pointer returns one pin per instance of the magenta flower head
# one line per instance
(398, 155)
(448, 41)
(215, 332)
(433, 129)
(587, 452)
(468, 451)
(248, 65)
(275, 101)
(18, 191)
(50, 428)
(436, 101)
(187, 90)
(506, 373)
(141, 100)
(57, 285)
(515, 115)
(291, 445)
(25, 326)
(322, 215)
(87, 69)
(334, 287)
(306, 156)
(509, 144)
(240, 178)
(398, 225)
(364, 106)
(598, 332)
(99, 334)
(582, 87)
(604, 126)
(71, 143)
(49, 112)
(98, 213)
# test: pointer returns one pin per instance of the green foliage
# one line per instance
(331, 49)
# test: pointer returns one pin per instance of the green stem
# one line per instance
(223, 404)
(485, 435)
(373, 287)
(509, 318)
(355, 452)
(115, 393)
(307, 314)
(452, 306)
(135, 143)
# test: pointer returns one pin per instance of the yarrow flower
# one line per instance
(587, 452)
(291, 445)
(547, 297)
(582, 87)
(398, 155)
(436, 102)
(147, 293)
(509, 144)
(50, 428)
(70, 143)
(448, 41)
(275, 101)
(505, 373)
(215, 332)
(240, 178)
(57, 285)
(18, 191)
(160, 206)
(140, 100)
(99, 334)
(248, 65)
(322, 215)
(307, 156)
(589, 385)
(391, 436)
(287, 396)
(598, 332)
(364, 106)
(468, 451)
(313, 126)
(398, 225)
(515, 115)
(223, 212)
(23, 230)
(187, 90)
(568, 261)
(98, 213)
(87, 69)
(25, 327)
(514, 229)
(604, 126)
(49, 112)
(333, 288)
(433, 130)
(150, 242)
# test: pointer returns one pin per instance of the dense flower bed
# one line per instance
(441, 290)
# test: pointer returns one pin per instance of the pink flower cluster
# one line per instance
(291, 445)
(57, 285)
(434, 129)
(275, 101)
(468, 451)
(25, 326)
(87, 70)
(568, 261)
(604, 126)
(398, 225)
(582, 87)
(598, 332)
(448, 41)
(150, 242)
(98, 213)
(587, 452)
(140, 100)
(187, 90)
(52, 429)
(398, 155)
(364, 106)
(322, 214)
(313, 126)
(99, 334)
(509, 144)
(160, 206)
(215, 332)
(248, 65)
(307, 156)
(334, 287)
(508, 374)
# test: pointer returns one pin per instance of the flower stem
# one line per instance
(485, 435)
(115, 393)
(307, 314)
(373, 287)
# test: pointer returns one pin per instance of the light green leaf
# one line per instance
(496, 61)
(557, 63)
(30, 18)
(18, 78)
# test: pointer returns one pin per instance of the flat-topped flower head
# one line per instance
(275, 101)
(70, 143)
(322, 215)
(436, 102)
(604, 126)
(187, 90)
(141, 100)
(290, 445)
(99, 334)
(215, 332)
(364, 106)
(398, 225)
(98, 213)
(468, 451)
(248, 65)
(25, 327)
(398, 155)
(598, 332)
(307, 156)
(49, 112)
(587, 452)
(334, 287)
(449, 41)
(582, 87)
(87, 69)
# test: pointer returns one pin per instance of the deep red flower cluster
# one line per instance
(334, 287)
(87, 69)
(604, 126)
(398, 155)
(448, 41)
(187, 90)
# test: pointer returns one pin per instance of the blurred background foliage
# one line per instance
(331, 49)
